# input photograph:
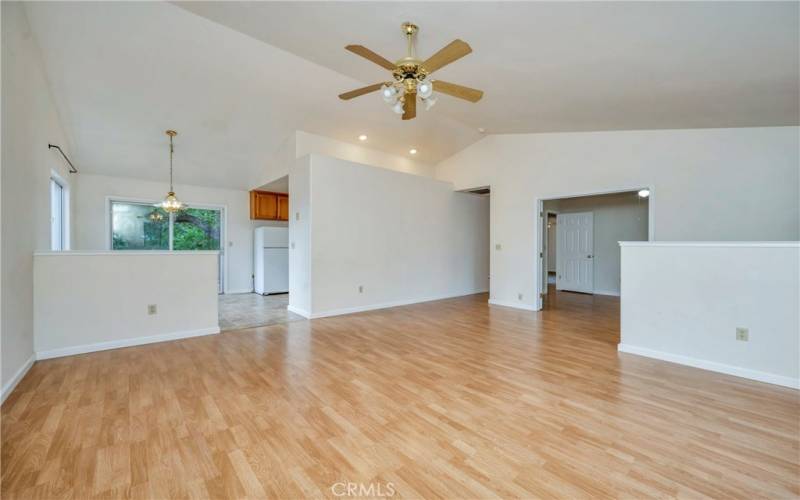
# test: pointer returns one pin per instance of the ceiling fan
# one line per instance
(411, 76)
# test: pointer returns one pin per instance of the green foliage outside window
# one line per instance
(137, 226)
(196, 229)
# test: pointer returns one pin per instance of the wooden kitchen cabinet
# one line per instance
(265, 205)
(283, 208)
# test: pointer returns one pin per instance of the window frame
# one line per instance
(64, 203)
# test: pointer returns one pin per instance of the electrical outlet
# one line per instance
(152, 309)
(498, 246)
(360, 288)
(519, 296)
(742, 334)
(293, 245)
(297, 216)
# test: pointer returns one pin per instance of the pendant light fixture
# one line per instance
(171, 203)
(155, 215)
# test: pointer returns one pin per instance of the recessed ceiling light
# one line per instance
(481, 130)
(644, 193)
(362, 137)
(412, 151)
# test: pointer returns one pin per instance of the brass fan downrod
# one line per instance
(410, 29)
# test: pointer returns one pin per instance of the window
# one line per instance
(197, 229)
(138, 226)
(58, 208)
(142, 226)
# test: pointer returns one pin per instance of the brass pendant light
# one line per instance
(171, 204)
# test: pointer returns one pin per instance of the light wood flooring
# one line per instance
(447, 399)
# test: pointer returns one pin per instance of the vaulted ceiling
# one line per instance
(236, 78)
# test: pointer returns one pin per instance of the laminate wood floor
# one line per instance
(447, 399)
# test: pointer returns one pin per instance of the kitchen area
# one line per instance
(267, 303)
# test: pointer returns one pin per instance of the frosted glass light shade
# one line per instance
(171, 203)
(389, 93)
(425, 89)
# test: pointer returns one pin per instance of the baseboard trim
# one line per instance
(301, 312)
(607, 292)
(386, 305)
(12, 384)
(237, 292)
(713, 366)
(515, 305)
(117, 344)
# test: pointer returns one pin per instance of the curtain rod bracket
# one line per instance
(72, 168)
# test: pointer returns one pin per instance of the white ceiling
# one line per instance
(124, 72)
(280, 185)
(564, 66)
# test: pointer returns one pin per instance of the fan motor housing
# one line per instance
(409, 69)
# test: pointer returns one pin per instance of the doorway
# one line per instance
(266, 302)
(482, 229)
(580, 238)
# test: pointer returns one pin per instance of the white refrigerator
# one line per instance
(271, 260)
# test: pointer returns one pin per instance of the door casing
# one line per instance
(541, 225)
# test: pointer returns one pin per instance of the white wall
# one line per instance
(683, 303)
(404, 238)
(89, 302)
(300, 237)
(617, 217)
(92, 223)
(732, 184)
(300, 144)
(29, 123)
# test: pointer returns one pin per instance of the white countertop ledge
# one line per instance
(118, 253)
(752, 244)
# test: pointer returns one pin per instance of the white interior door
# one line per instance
(575, 252)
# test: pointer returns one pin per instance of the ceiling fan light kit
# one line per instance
(411, 76)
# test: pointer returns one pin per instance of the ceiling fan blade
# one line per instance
(372, 56)
(410, 106)
(466, 93)
(361, 91)
(451, 52)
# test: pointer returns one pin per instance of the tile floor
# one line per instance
(246, 310)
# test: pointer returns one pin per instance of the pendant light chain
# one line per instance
(171, 203)
(171, 152)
